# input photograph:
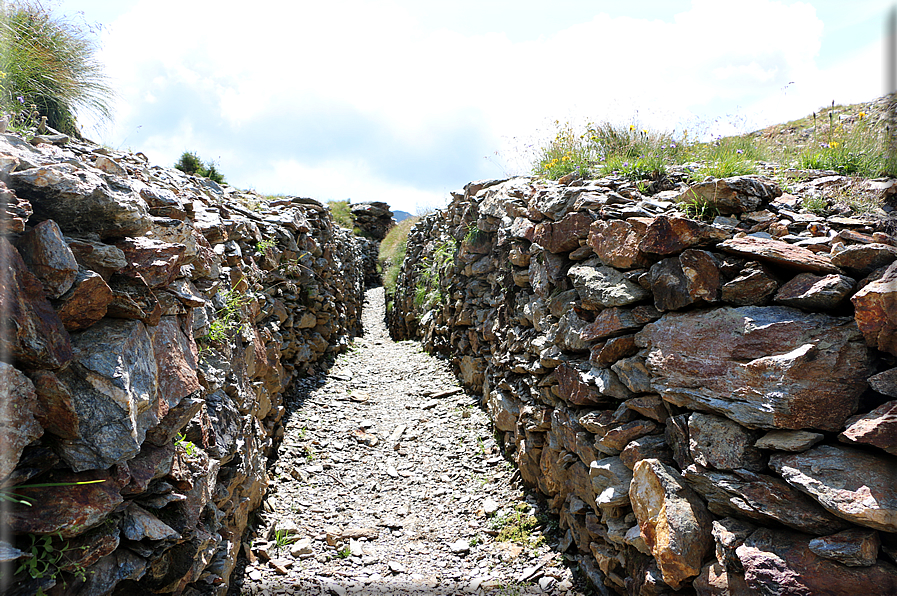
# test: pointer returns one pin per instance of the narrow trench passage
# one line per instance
(388, 481)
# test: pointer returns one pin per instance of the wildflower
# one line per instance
(739, 151)
(862, 115)
(625, 164)
(631, 127)
(834, 144)
(2, 75)
(645, 131)
(21, 99)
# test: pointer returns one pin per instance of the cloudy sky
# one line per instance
(405, 100)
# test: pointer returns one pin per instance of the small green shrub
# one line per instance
(190, 163)
(228, 317)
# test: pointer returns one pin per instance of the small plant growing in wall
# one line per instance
(190, 163)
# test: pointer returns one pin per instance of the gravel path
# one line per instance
(388, 481)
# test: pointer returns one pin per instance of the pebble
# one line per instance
(402, 488)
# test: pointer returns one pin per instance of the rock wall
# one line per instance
(709, 407)
(153, 323)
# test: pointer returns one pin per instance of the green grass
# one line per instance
(392, 252)
(342, 214)
(428, 290)
(49, 68)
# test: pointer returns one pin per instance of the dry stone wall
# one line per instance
(709, 407)
(153, 322)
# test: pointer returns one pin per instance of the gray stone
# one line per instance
(788, 440)
(854, 548)
(604, 287)
(717, 442)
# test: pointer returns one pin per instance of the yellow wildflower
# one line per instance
(862, 115)
(631, 127)
(834, 144)
(2, 75)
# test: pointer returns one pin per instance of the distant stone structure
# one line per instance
(373, 218)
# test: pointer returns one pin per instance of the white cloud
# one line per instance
(359, 93)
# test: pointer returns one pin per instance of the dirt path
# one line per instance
(389, 481)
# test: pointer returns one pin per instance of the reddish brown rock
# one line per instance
(763, 367)
(176, 360)
(878, 428)
(132, 298)
(19, 409)
(68, 510)
(85, 303)
(855, 485)
(14, 212)
(737, 194)
(49, 258)
(779, 253)
(876, 311)
(574, 389)
(781, 563)
(692, 278)
(815, 292)
(616, 242)
(673, 521)
(760, 497)
(611, 322)
(753, 286)
(59, 416)
(617, 438)
(563, 236)
(647, 447)
(31, 331)
(105, 259)
(671, 235)
(606, 353)
(157, 262)
(863, 259)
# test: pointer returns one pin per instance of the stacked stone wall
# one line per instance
(153, 324)
(709, 406)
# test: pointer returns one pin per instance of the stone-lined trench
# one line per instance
(389, 480)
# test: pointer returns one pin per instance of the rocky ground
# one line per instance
(389, 481)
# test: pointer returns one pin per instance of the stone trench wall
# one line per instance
(153, 323)
(709, 408)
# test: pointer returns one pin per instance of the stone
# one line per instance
(855, 485)
(692, 278)
(603, 287)
(563, 235)
(574, 388)
(781, 563)
(770, 367)
(68, 510)
(717, 442)
(717, 580)
(650, 406)
(176, 360)
(58, 415)
(788, 440)
(761, 498)
(103, 576)
(753, 286)
(85, 303)
(31, 331)
(610, 481)
(611, 323)
(815, 292)
(83, 201)
(132, 298)
(105, 259)
(667, 236)
(616, 242)
(737, 194)
(157, 262)
(114, 384)
(633, 373)
(18, 425)
(673, 521)
(645, 447)
(875, 309)
(615, 348)
(728, 534)
(782, 254)
(878, 428)
(14, 211)
(863, 259)
(140, 524)
(854, 547)
(49, 258)
(885, 382)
